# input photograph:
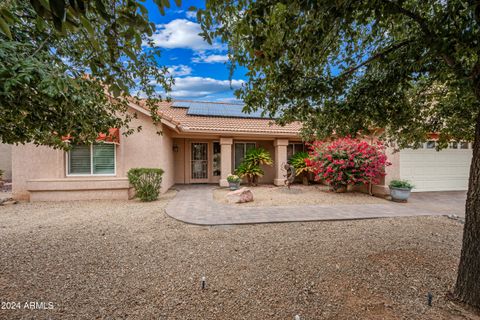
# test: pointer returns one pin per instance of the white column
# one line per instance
(226, 160)
(280, 160)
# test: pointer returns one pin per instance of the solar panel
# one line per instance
(217, 109)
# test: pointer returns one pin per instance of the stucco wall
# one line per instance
(269, 170)
(179, 161)
(6, 160)
(42, 171)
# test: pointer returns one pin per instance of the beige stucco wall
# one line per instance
(39, 173)
(6, 160)
(269, 170)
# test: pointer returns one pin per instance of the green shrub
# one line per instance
(250, 166)
(404, 184)
(1, 174)
(146, 181)
(300, 165)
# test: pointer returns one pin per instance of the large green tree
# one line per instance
(69, 67)
(411, 67)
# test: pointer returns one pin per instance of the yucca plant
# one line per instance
(250, 166)
(301, 167)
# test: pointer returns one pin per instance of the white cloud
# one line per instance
(179, 70)
(196, 87)
(213, 58)
(182, 33)
(191, 14)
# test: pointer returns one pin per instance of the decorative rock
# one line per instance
(240, 196)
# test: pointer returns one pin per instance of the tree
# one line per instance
(408, 67)
(68, 68)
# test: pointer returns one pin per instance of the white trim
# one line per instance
(91, 174)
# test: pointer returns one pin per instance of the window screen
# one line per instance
(96, 159)
(103, 159)
(79, 161)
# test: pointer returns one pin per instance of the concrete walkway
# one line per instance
(195, 204)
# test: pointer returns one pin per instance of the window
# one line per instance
(463, 145)
(430, 144)
(241, 149)
(453, 145)
(217, 154)
(96, 159)
(293, 148)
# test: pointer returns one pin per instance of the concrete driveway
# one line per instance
(449, 202)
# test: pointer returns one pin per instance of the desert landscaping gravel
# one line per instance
(269, 195)
(128, 260)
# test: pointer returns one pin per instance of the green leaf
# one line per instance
(5, 28)
(87, 25)
(57, 7)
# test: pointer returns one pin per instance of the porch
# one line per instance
(212, 159)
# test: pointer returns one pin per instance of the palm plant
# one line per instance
(250, 166)
(301, 168)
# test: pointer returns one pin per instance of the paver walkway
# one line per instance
(195, 204)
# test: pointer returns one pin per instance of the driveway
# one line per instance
(195, 204)
(450, 202)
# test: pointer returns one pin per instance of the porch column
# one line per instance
(226, 160)
(280, 160)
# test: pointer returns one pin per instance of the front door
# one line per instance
(199, 162)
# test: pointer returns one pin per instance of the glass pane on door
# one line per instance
(216, 161)
(199, 161)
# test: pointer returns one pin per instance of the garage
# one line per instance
(431, 170)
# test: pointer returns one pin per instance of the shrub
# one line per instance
(301, 168)
(146, 181)
(250, 166)
(1, 174)
(298, 161)
(233, 178)
(404, 184)
(347, 161)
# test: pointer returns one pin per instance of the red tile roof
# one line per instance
(195, 123)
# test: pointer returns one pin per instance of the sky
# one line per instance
(199, 69)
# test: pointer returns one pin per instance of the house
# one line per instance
(201, 142)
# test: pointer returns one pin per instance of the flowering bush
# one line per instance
(233, 178)
(347, 161)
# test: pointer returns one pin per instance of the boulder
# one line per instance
(240, 196)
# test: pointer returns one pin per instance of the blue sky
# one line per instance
(199, 69)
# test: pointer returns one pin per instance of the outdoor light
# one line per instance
(429, 299)
(175, 147)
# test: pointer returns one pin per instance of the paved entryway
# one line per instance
(194, 204)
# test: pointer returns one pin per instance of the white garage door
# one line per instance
(431, 170)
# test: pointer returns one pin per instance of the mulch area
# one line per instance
(128, 260)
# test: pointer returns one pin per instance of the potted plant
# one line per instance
(233, 181)
(400, 190)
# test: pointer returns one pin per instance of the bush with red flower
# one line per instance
(347, 161)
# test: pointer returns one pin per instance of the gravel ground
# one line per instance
(128, 260)
(269, 195)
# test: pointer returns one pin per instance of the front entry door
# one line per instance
(199, 162)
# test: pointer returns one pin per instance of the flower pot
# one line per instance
(234, 185)
(400, 194)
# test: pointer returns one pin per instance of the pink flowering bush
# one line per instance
(347, 161)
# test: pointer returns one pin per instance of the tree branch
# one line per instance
(375, 57)
(412, 15)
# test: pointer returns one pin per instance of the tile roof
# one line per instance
(200, 123)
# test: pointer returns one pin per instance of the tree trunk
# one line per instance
(467, 288)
